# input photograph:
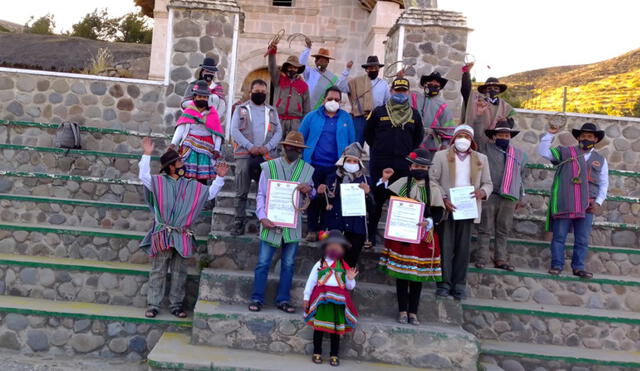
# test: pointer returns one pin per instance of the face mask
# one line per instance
(587, 144)
(201, 103)
(292, 154)
(321, 67)
(291, 74)
(399, 98)
(334, 254)
(258, 98)
(208, 77)
(462, 144)
(492, 93)
(180, 171)
(372, 74)
(351, 168)
(332, 106)
(419, 174)
(432, 91)
(502, 143)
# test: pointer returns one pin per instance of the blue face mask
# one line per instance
(399, 98)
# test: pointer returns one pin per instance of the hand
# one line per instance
(386, 174)
(400, 73)
(469, 66)
(307, 41)
(222, 168)
(479, 194)
(262, 150)
(365, 187)
(147, 146)
(427, 224)
(519, 205)
(272, 49)
(552, 129)
(349, 64)
(254, 150)
(352, 273)
(305, 306)
(304, 188)
(322, 188)
(448, 205)
(593, 208)
(266, 223)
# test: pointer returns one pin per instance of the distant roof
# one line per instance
(369, 4)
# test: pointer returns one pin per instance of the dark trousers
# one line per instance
(455, 238)
(315, 212)
(353, 254)
(408, 293)
(381, 196)
(317, 343)
(359, 123)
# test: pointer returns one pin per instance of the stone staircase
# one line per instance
(74, 280)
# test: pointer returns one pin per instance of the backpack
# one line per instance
(68, 136)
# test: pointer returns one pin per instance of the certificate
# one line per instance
(464, 202)
(352, 200)
(279, 205)
(402, 220)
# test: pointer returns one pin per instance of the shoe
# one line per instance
(413, 320)
(441, 292)
(237, 229)
(311, 237)
(459, 294)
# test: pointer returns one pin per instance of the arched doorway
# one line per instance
(260, 73)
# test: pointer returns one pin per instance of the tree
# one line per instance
(43, 25)
(133, 28)
(96, 26)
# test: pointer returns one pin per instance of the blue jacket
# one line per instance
(311, 128)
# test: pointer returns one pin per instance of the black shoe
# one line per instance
(459, 294)
(237, 229)
(442, 292)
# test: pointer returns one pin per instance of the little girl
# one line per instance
(327, 302)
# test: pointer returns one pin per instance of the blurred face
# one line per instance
(587, 136)
(493, 89)
(334, 250)
(201, 97)
(208, 76)
(418, 167)
(333, 96)
(322, 63)
(292, 149)
(400, 91)
(464, 135)
(433, 83)
(351, 160)
(372, 69)
(259, 88)
(502, 135)
(292, 70)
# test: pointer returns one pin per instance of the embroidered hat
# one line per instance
(434, 76)
(168, 158)
(492, 81)
(502, 126)
(353, 150)
(201, 88)
(335, 236)
(467, 130)
(588, 127)
(419, 156)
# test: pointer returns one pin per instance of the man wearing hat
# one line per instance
(579, 188)
(484, 108)
(290, 167)
(507, 172)
(436, 115)
(175, 202)
(207, 71)
(366, 93)
(458, 166)
(392, 131)
(318, 77)
(291, 92)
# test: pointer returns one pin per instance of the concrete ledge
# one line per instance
(83, 128)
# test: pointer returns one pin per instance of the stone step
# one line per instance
(236, 287)
(59, 327)
(491, 319)
(74, 242)
(537, 286)
(526, 356)
(87, 213)
(174, 352)
(82, 280)
(434, 346)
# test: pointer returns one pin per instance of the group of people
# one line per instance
(417, 152)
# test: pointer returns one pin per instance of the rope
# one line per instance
(294, 36)
(277, 37)
(388, 68)
(306, 201)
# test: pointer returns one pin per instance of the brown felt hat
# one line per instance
(294, 139)
(324, 53)
(293, 61)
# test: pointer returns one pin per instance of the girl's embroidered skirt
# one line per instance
(413, 262)
(331, 310)
(199, 156)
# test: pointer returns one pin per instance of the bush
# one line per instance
(43, 25)
(130, 28)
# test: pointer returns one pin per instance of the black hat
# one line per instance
(588, 127)
(400, 83)
(201, 88)
(372, 60)
(435, 75)
(419, 156)
(502, 126)
(209, 64)
(334, 236)
(168, 158)
(492, 81)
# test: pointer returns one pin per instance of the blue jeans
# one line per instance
(581, 232)
(287, 265)
(359, 123)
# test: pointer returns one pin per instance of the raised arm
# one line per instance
(274, 72)
(144, 167)
(304, 57)
(544, 148)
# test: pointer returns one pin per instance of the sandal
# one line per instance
(479, 265)
(285, 307)
(334, 361)
(179, 313)
(583, 274)
(413, 320)
(151, 313)
(402, 318)
(555, 271)
(503, 265)
(316, 358)
(255, 306)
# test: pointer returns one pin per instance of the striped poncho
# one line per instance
(570, 189)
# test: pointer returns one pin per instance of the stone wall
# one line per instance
(105, 103)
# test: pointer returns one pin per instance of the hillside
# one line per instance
(609, 87)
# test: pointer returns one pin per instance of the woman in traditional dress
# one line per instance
(198, 136)
(412, 264)
(328, 306)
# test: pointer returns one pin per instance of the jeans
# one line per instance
(315, 212)
(359, 123)
(287, 265)
(581, 232)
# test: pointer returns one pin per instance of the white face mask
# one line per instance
(332, 106)
(462, 144)
(351, 168)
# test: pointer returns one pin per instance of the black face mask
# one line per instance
(291, 74)
(201, 103)
(502, 143)
(258, 98)
(419, 174)
(492, 93)
(292, 154)
(372, 74)
(208, 77)
(432, 91)
(587, 144)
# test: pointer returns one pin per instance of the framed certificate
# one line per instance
(352, 200)
(402, 220)
(466, 205)
(279, 205)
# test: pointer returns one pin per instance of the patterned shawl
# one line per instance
(191, 115)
